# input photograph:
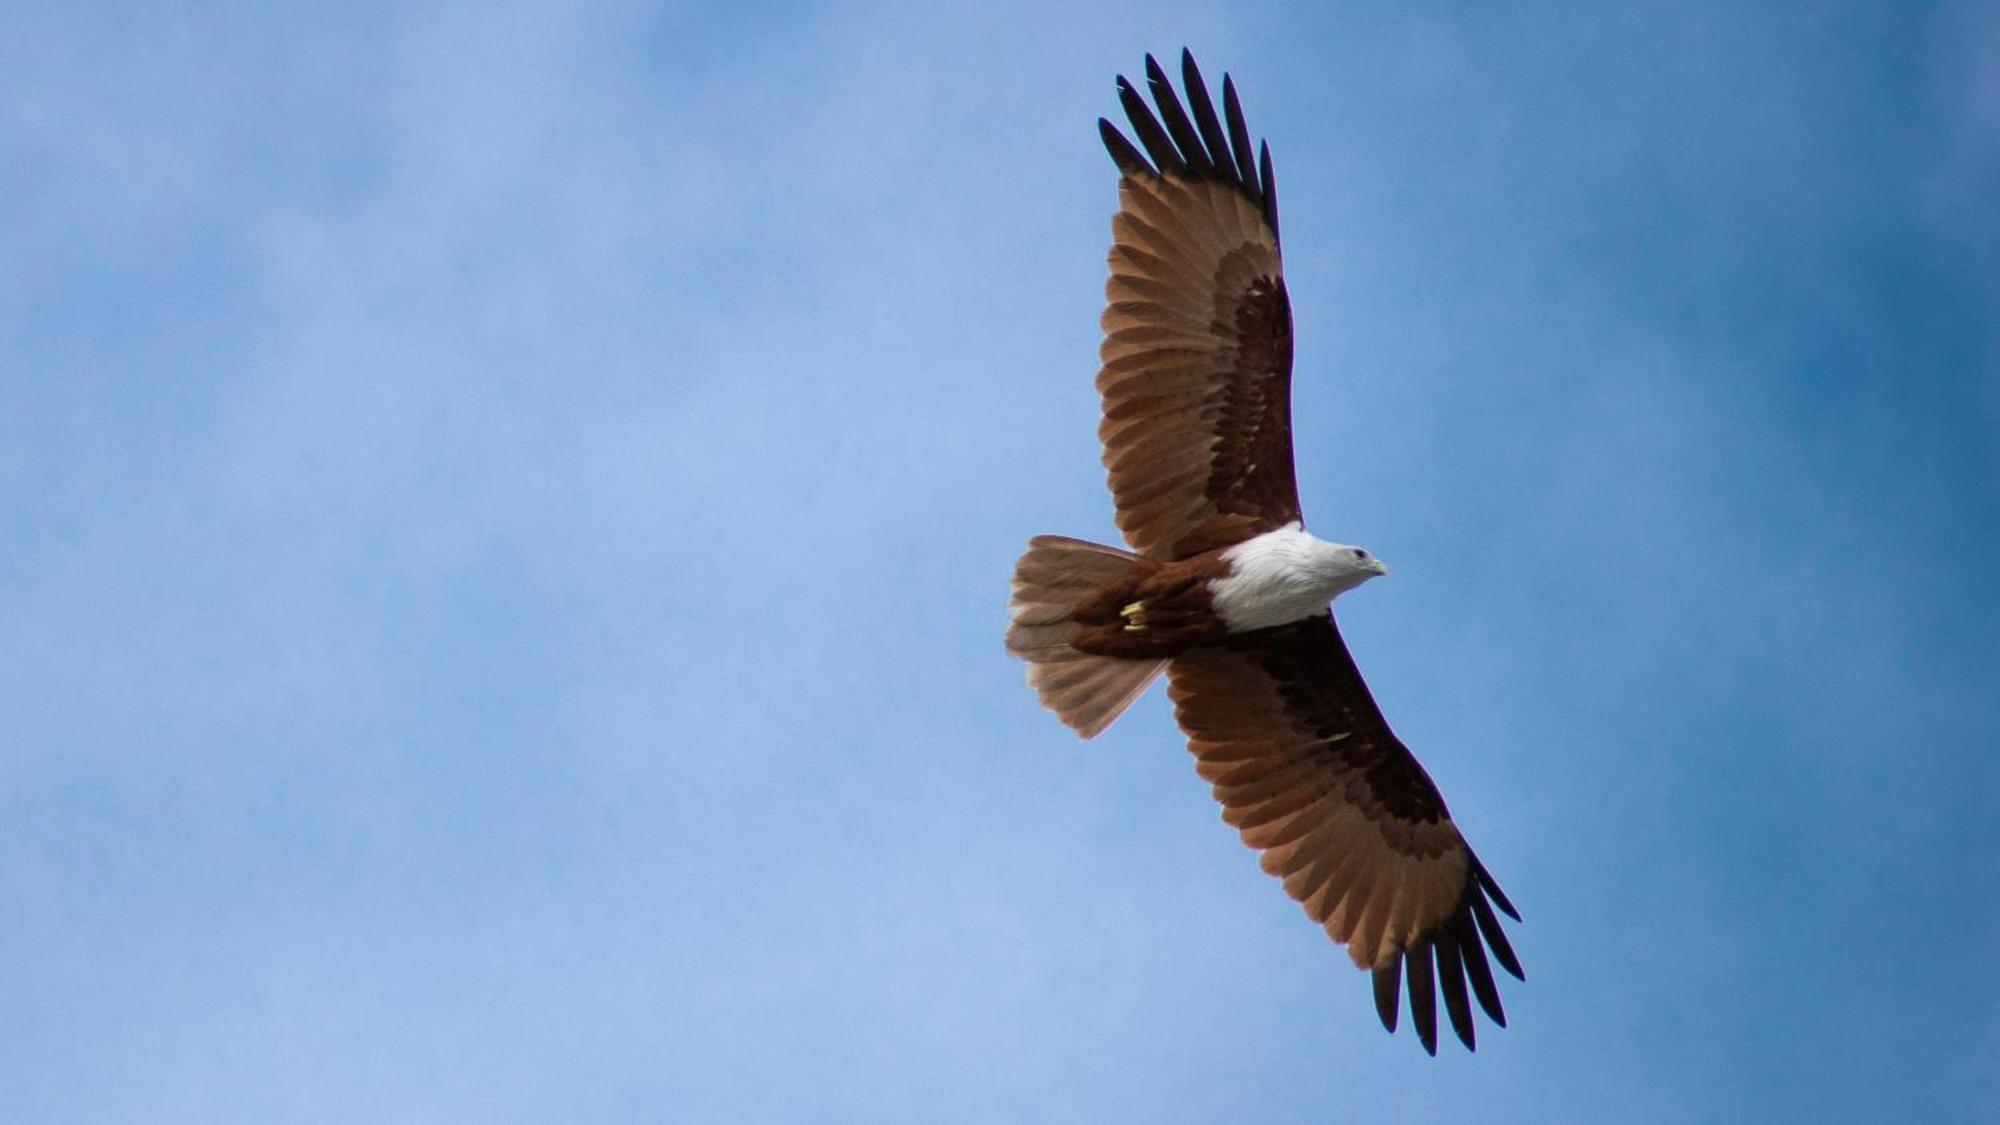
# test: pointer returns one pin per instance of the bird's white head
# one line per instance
(1343, 566)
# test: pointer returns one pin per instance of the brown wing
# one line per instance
(1307, 770)
(1197, 348)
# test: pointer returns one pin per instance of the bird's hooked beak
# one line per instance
(1377, 566)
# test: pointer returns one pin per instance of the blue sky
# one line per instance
(505, 515)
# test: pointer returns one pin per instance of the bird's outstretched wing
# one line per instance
(1308, 771)
(1197, 354)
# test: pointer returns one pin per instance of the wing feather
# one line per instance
(1239, 133)
(1212, 136)
(1197, 351)
(1193, 152)
(1154, 138)
(1478, 972)
(1423, 994)
(1308, 772)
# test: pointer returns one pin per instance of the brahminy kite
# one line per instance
(1226, 591)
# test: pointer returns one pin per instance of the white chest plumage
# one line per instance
(1284, 576)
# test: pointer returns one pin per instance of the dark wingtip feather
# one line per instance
(1451, 982)
(1492, 888)
(1189, 140)
(1122, 153)
(1388, 986)
(1423, 995)
(1477, 971)
(1270, 186)
(1212, 137)
(1239, 133)
(1165, 157)
(1175, 118)
(1489, 927)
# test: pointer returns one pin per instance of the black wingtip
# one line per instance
(1492, 888)
(1269, 189)
(1388, 990)
(1213, 139)
(1423, 995)
(1239, 132)
(1451, 982)
(1122, 153)
(1165, 157)
(1193, 152)
(1489, 928)
(1477, 971)
(1450, 962)
(1190, 140)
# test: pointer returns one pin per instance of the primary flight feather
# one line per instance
(1224, 589)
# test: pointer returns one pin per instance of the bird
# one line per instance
(1225, 591)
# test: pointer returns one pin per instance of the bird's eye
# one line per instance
(1360, 554)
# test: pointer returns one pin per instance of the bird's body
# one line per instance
(1226, 591)
(1163, 609)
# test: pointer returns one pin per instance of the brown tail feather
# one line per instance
(1055, 576)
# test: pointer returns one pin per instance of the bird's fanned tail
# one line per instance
(1051, 580)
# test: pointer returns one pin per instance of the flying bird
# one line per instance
(1226, 592)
